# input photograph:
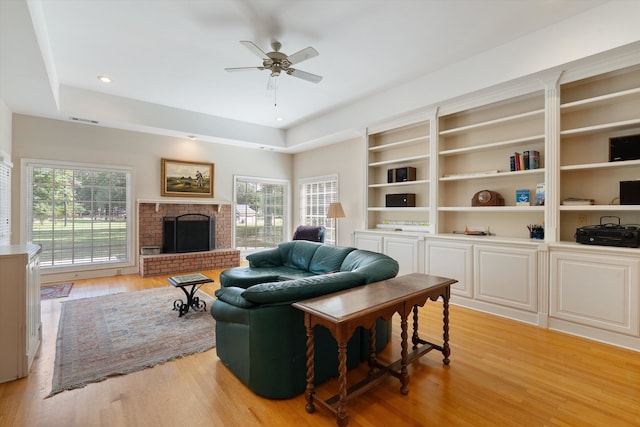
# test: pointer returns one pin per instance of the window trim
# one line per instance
(286, 222)
(330, 237)
(25, 166)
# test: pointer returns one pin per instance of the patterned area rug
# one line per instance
(122, 333)
(59, 290)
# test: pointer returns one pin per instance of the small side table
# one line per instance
(192, 282)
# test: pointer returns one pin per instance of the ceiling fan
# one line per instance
(278, 62)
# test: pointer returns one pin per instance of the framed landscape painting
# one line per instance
(186, 179)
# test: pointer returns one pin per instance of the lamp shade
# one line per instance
(335, 210)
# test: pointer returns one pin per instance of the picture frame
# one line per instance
(183, 178)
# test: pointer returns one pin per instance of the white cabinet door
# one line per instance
(506, 275)
(368, 241)
(595, 290)
(405, 251)
(453, 260)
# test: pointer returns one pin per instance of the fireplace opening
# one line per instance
(188, 233)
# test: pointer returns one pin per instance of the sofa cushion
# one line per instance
(265, 258)
(328, 258)
(298, 253)
(300, 289)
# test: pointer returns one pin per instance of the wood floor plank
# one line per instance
(502, 373)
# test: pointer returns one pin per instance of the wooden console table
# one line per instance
(343, 312)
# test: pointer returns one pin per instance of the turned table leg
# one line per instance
(446, 351)
(404, 375)
(310, 369)
(341, 413)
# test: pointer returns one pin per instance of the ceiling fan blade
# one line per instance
(255, 49)
(234, 69)
(302, 55)
(313, 78)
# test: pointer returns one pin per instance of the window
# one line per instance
(316, 194)
(78, 213)
(5, 199)
(261, 212)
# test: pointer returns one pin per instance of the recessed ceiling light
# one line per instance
(279, 119)
(104, 79)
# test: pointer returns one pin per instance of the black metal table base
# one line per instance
(193, 302)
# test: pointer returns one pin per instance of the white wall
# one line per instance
(5, 129)
(48, 139)
(346, 159)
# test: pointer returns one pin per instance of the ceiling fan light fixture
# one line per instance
(276, 61)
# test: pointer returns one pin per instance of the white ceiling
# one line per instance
(172, 53)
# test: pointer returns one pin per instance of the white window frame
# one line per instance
(286, 220)
(5, 198)
(319, 219)
(26, 199)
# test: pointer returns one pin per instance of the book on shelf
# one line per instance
(522, 198)
(534, 159)
(540, 194)
(529, 159)
(575, 201)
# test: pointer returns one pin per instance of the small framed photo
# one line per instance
(186, 179)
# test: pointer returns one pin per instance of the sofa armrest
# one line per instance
(265, 258)
(233, 295)
(300, 289)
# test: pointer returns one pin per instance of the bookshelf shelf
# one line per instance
(390, 162)
(493, 145)
(610, 126)
(404, 210)
(601, 165)
(494, 122)
(607, 99)
(398, 144)
(401, 184)
(600, 208)
(485, 209)
(501, 174)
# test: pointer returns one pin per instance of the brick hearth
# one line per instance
(164, 264)
(150, 234)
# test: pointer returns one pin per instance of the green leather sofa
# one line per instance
(262, 339)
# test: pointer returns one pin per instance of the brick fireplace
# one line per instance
(150, 220)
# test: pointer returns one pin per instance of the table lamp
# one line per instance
(335, 211)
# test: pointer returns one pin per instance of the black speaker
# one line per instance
(630, 192)
(403, 200)
(624, 148)
(401, 174)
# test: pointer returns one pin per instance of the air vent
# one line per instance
(78, 119)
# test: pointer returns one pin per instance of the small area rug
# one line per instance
(117, 334)
(59, 290)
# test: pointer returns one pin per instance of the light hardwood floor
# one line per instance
(502, 373)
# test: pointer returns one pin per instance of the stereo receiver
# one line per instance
(625, 236)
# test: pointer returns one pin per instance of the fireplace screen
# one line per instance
(188, 233)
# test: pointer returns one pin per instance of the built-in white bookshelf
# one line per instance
(474, 150)
(404, 146)
(593, 110)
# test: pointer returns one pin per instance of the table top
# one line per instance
(345, 304)
(189, 279)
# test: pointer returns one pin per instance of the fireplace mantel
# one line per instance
(184, 201)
